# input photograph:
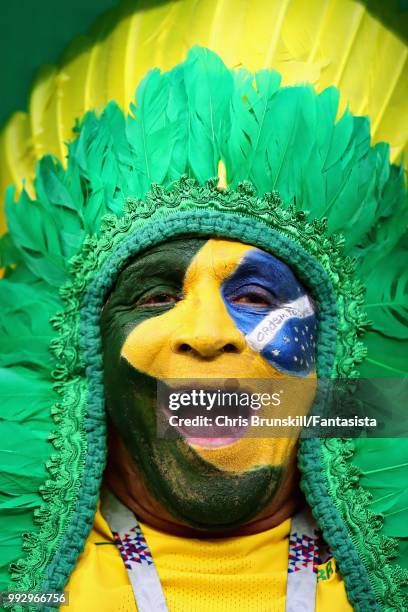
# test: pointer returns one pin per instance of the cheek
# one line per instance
(125, 386)
(288, 343)
(259, 446)
(148, 344)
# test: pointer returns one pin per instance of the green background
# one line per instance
(36, 32)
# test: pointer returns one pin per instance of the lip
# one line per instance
(209, 441)
(213, 442)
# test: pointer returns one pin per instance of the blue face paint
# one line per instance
(274, 312)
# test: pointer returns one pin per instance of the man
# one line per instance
(151, 270)
(180, 311)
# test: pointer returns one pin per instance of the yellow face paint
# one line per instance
(200, 321)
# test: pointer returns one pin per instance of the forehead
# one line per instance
(197, 256)
(218, 257)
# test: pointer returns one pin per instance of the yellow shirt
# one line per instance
(246, 574)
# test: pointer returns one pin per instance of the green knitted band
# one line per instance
(186, 209)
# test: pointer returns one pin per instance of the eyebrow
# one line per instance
(155, 262)
(270, 269)
(265, 267)
(144, 265)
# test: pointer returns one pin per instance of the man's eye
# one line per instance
(252, 299)
(160, 299)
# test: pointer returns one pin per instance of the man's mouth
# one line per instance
(214, 436)
(199, 413)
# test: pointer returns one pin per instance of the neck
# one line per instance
(125, 480)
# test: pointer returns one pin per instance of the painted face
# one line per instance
(193, 309)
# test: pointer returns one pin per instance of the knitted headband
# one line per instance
(297, 180)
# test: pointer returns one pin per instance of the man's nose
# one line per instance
(206, 346)
(208, 331)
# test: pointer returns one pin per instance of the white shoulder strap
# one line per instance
(135, 553)
(145, 581)
(302, 563)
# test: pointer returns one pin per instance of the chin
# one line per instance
(204, 497)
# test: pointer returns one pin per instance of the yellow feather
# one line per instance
(393, 125)
(17, 157)
(151, 50)
(325, 42)
(71, 98)
(117, 44)
(96, 89)
(43, 116)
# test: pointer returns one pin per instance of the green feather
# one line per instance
(386, 357)
(102, 159)
(244, 147)
(36, 236)
(177, 112)
(384, 468)
(150, 131)
(208, 86)
(25, 329)
(386, 302)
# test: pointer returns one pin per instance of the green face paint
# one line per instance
(153, 289)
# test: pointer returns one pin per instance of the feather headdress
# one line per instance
(310, 188)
